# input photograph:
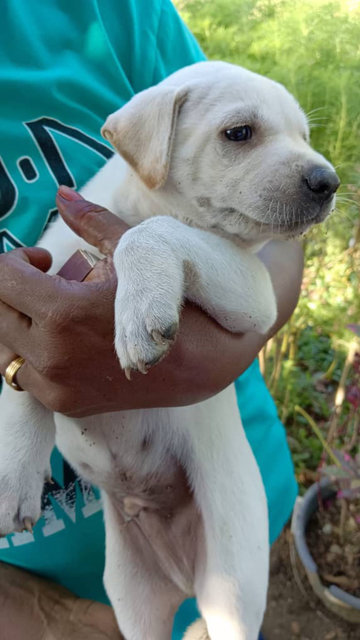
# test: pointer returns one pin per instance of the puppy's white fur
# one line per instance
(185, 508)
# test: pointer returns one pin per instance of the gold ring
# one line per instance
(11, 371)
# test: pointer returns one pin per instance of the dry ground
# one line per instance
(294, 612)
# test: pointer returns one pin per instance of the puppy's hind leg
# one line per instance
(231, 607)
(231, 569)
(143, 598)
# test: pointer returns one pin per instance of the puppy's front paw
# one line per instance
(150, 291)
(20, 499)
(145, 331)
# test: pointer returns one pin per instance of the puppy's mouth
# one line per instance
(292, 223)
(304, 223)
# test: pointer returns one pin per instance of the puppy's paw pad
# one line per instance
(19, 514)
(144, 336)
(20, 502)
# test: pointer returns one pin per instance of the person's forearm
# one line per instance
(35, 609)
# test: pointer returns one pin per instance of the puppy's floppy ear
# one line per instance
(143, 131)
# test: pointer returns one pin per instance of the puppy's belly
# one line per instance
(163, 529)
(129, 456)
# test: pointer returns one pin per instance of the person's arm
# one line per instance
(37, 609)
(59, 326)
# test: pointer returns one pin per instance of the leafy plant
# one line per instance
(345, 476)
(340, 459)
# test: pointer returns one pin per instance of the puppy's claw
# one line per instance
(142, 367)
(168, 335)
(28, 525)
(154, 361)
(49, 480)
(127, 372)
(171, 331)
(158, 337)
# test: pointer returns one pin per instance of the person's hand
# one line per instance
(65, 330)
(55, 324)
(37, 609)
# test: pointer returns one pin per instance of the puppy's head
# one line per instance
(228, 150)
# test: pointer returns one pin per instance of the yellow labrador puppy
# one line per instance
(212, 162)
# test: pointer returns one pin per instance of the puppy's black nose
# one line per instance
(321, 181)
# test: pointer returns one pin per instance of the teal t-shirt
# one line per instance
(64, 66)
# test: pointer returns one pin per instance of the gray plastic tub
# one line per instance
(343, 604)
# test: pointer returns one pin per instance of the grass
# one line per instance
(313, 48)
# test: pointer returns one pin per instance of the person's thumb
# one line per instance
(98, 226)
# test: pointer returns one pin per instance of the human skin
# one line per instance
(35, 609)
(53, 323)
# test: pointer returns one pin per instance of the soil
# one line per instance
(293, 611)
(335, 547)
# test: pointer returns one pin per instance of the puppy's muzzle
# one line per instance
(314, 198)
(320, 183)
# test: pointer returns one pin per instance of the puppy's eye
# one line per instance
(239, 134)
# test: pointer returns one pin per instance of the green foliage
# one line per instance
(310, 46)
(313, 48)
(306, 450)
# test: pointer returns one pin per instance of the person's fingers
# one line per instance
(103, 271)
(6, 356)
(24, 373)
(26, 288)
(98, 226)
(26, 376)
(14, 328)
(29, 379)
